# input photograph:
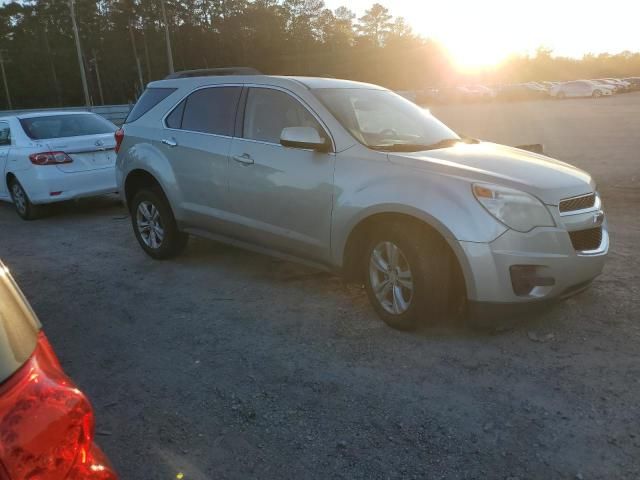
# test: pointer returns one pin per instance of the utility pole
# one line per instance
(52, 64)
(135, 55)
(4, 79)
(94, 61)
(83, 74)
(166, 34)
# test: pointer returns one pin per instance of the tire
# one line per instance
(21, 202)
(596, 94)
(160, 239)
(561, 96)
(426, 257)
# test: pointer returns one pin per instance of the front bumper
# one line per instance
(489, 279)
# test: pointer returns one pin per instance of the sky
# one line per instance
(480, 33)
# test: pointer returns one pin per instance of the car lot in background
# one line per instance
(543, 90)
(226, 364)
(47, 425)
(55, 156)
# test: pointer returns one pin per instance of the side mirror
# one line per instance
(303, 137)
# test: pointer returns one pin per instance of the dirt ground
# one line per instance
(227, 364)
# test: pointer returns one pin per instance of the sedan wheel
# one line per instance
(391, 278)
(21, 202)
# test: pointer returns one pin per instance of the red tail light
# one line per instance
(50, 158)
(119, 135)
(47, 424)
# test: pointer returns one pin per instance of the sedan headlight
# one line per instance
(517, 210)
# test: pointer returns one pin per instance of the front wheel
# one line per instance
(407, 271)
(155, 226)
(596, 94)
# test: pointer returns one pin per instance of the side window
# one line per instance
(174, 119)
(5, 134)
(211, 110)
(269, 111)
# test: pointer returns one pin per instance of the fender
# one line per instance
(442, 200)
(150, 159)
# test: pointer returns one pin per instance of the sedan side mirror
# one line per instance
(303, 137)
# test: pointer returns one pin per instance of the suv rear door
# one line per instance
(281, 197)
(196, 139)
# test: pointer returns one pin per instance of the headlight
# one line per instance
(517, 210)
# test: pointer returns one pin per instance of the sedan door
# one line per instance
(197, 140)
(281, 198)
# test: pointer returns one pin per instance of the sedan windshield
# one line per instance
(382, 120)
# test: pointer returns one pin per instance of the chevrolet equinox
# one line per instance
(353, 178)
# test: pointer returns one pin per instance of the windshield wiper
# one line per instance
(417, 147)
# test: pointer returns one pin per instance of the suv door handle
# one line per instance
(170, 142)
(244, 159)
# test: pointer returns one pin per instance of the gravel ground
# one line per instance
(227, 364)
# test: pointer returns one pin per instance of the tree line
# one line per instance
(123, 44)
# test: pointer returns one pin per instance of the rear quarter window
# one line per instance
(149, 99)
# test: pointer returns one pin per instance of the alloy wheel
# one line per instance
(149, 224)
(19, 198)
(391, 278)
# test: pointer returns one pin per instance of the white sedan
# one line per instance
(580, 88)
(55, 156)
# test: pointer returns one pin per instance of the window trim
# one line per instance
(304, 104)
(238, 130)
(188, 94)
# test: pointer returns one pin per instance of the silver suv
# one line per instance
(354, 178)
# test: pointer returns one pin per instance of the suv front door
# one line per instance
(280, 197)
(196, 140)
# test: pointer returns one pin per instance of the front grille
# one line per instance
(578, 203)
(589, 239)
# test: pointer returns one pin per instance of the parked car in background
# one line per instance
(55, 156)
(46, 423)
(580, 88)
(356, 179)
(634, 83)
(521, 91)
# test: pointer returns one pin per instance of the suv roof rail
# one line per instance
(214, 72)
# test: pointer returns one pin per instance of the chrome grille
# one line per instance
(578, 203)
(584, 240)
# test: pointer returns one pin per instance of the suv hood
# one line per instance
(548, 179)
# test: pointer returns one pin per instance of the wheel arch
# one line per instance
(137, 179)
(351, 251)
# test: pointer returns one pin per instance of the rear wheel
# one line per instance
(22, 203)
(407, 271)
(561, 96)
(596, 94)
(155, 226)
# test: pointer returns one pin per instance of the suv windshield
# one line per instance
(62, 126)
(382, 120)
(18, 327)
